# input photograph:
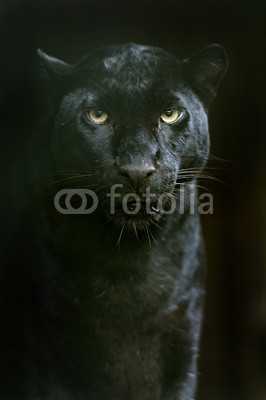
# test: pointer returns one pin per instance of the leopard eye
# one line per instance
(170, 116)
(97, 116)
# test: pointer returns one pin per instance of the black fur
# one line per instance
(101, 306)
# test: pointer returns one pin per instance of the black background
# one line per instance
(233, 352)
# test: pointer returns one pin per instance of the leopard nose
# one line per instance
(137, 175)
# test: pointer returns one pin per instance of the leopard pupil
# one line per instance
(98, 113)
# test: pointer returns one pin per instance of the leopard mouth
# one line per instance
(141, 206)
(135, 214)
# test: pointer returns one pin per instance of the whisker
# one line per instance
(158, 226)
(152, 236)
(48, 192)
(98, 86)
(136, 232)
(202, 176)
(69, 172)
(120, 236)
(64, 179)
(203, 187)
(213, 178)
(219, 159)
(148, 235)
(177, 196)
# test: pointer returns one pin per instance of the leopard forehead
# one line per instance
(135, 64)
(134, 55)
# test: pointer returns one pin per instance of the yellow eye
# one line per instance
(98, 116)
(170, 116)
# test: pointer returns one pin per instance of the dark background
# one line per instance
(233, 352)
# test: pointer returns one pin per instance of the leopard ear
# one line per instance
(52, 68)
(205, 70)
